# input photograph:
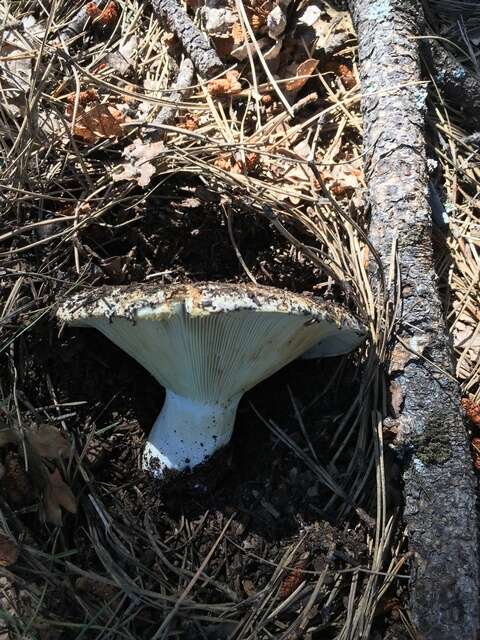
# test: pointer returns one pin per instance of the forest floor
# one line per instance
(255, 544)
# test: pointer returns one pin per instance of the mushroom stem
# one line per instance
(187, 432)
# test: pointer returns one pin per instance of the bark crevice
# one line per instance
(439, 487)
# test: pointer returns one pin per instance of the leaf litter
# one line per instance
(225, 192)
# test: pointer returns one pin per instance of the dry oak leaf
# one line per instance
(8, 551)
(225, 86)
(57, 494)
(48, 442)
(138, 166)
(303, 74)
(97, 122)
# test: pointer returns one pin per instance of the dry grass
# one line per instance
(57, 190)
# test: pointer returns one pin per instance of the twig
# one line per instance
(194, 42)
(167, 113)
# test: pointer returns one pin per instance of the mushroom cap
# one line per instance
(212, 341)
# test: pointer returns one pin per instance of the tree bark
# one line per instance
(194, 42)
(439, 486)
(455, 81)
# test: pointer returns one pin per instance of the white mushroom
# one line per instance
(207, 344)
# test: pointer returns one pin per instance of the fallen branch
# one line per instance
(455, 81)
(439, 484)
(167, 113)
(194, 42)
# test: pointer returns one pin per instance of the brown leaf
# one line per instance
(8, 551)
(57, 494)
(97, 122)
(8, 436)
(48, 442)
(138, 166)
(223, 45)
(303, 74)
(225, 86)
(83, 97)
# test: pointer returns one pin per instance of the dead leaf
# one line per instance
(8, 436)
(48, 441)
(223, 45)
(276, 22)
(223, 162)
(138, 166)
(218, 22)
(242, 51)
(225, 86)
(57, 494)
(16, 65)
(303, 74)
(348, 79)
(15, 72)
(122, 60)
(8, 551)
(97, 122)
(84, 97)
(345, 177)
(251, 160)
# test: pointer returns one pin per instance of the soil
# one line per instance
(272, 497)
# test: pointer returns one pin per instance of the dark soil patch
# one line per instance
(159, 530)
